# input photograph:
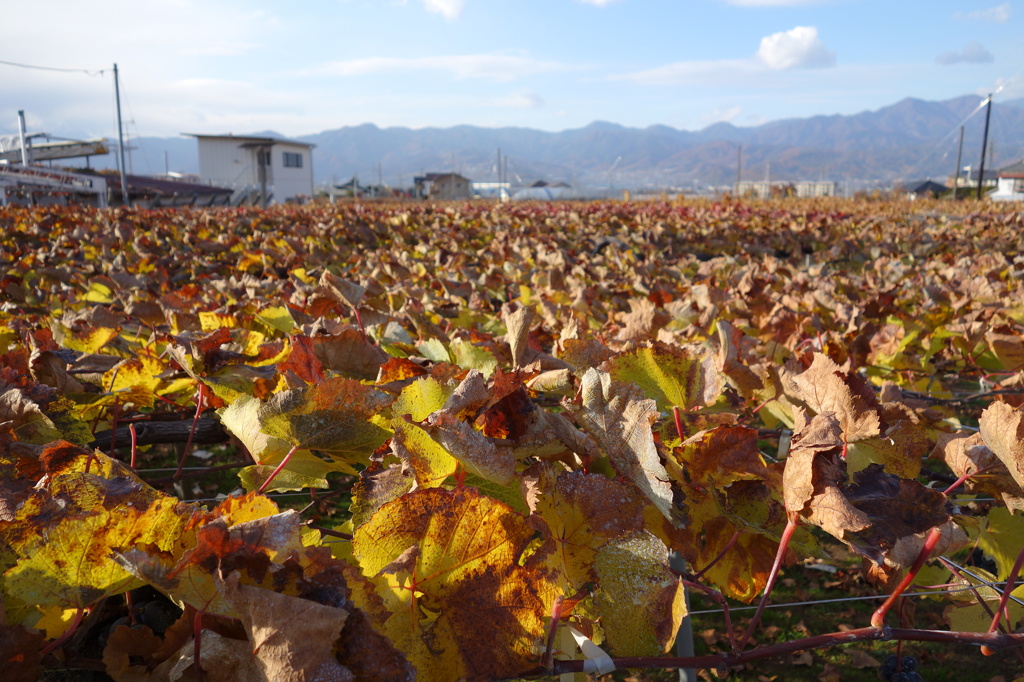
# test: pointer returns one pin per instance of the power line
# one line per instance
(92, 72)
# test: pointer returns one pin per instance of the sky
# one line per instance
(297, 68)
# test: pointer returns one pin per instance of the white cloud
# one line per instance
(973, 53)
(799, 48)
(449, 9)
(496, 67)
(999, 14)
(794, 49)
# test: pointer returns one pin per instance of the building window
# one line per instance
(263, 157)
(292, 160)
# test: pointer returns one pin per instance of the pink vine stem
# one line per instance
(787, 535)
(1001, 611)
(192, 433)
(276, 471)
(878, 617)
(556, 616)
(135, 444)
(59, 642)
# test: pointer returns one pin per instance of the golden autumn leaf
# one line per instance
(448, 587)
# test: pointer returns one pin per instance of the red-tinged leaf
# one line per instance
(303, 360)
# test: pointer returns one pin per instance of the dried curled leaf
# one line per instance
(620, 420)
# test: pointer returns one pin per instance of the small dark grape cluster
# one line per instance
(900, 669)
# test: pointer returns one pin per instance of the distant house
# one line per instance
(1010, 183)
(817, 189)
(443, 186)
(969, 178)
(264, 170)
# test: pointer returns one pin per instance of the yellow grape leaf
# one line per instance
(1002, 536)
(258, 549)
(137, 378)
(583, 512)
(89, 340)
(640, 601)
(420, 399)
(450, 592)
(672, 376)
(64, 537)
(99, 293)
(332, 416)
(304, 469)
(969, 614)
(211, 320)
(277, 317)
(430, 462)
(470, 356)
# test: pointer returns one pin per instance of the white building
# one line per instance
(264, 170)
(1011, 183)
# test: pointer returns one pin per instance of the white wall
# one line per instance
(224, 162)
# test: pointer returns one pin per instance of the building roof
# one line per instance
(924, 186)
(1014, 170)
(251, 139)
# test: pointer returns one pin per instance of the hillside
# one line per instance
(910, 139)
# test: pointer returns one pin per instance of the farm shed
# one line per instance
(265, 170)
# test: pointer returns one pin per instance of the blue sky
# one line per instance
(216, 66)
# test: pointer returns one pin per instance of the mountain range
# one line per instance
(912, 139)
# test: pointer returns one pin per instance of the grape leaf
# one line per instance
(449, 590)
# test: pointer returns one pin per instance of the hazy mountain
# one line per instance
(911, 139)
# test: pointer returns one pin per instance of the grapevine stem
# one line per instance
(135, 444)
(787, 535)
(732, 541)
(719, 599)
(1010, 580)
(275, 472)
(192, 433)
(679, 422)
(197, 638)
(963, 479)
(59, 642)
(878, 617)
(556, 616)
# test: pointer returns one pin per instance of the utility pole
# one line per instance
(120, 138)
(984, 144)
(959, 152)
(739, 166)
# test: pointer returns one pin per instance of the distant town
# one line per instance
(908, 149)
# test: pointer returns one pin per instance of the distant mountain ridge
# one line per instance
(911, 139)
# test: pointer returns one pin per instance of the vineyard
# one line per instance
(469, 441)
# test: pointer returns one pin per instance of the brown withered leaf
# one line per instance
(479, 455)
(804, 476)
(966, 453)
(348, 353)
(343, 291)
(827, 388)
(1002, 428)
(518, 322)
(741, 376)
(619, 419)
(291, 638)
